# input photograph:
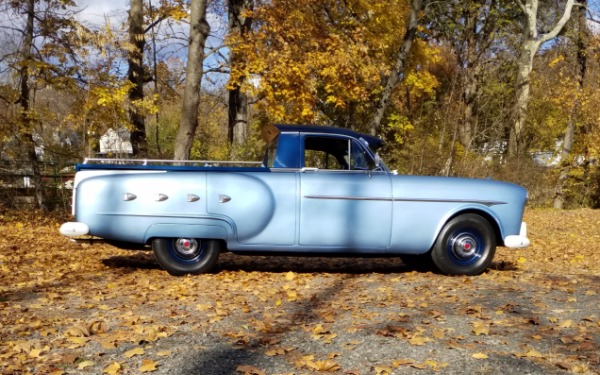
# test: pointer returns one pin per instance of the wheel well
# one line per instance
(489, 218)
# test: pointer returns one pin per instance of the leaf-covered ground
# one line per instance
(68, 309)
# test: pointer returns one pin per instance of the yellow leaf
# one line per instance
(579, 369)
(113, 368)
(327, 365)
(36, 353)
(402, 362)
(249, 370)
(521, 260)
(480, 356)
(275, 351)
(78, 341)
(290, 276)
(566, 323)
(77, 331)
(85, 364)
(164, 353)
(533, 354)
(419, 340)
(481, 329)
(134, 352)
(292, 296)
(147, 366)
(382, 370)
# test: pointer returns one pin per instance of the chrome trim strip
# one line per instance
(426, 200)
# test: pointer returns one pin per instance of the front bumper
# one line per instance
(518, 241)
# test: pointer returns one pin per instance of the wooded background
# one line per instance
(506, 89)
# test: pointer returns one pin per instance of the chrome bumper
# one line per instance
(518, 241)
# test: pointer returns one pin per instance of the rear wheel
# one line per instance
(465, 246)
(180, 256)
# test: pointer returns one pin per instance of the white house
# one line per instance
(115, 143)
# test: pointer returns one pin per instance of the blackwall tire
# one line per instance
(181, 256)
(465, 246)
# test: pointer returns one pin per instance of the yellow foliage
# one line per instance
(308, 54)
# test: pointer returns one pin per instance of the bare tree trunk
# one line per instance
(399, 66)
(137, 75)
(26, 122)
(529, 47)
(199, 30)
(582, 40)
(239, 25)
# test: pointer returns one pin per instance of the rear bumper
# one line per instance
(74, 229)
(518, 241)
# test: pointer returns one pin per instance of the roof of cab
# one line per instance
(374, 142)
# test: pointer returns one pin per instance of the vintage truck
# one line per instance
(319, 190)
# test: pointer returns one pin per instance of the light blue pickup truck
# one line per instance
(319, 190)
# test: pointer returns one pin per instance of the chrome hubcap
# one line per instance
(464, 246)
(187, 247)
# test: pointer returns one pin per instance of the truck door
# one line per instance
(345, 204)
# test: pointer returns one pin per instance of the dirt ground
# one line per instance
(77, 309)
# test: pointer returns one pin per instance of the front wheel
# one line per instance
(181, 256)
(465, 246)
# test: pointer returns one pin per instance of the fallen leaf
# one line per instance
(479, 356)
(85, 364)
(566, 323)
(402, 362)
(77, 331)
(383, 370)
(249, 370)
(480, 329)
(113, 368)
(134, 352)
(147, 366)
(418, 340)
(275, 351)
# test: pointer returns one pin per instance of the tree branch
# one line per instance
(560, 24)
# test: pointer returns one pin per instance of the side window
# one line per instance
(360, 159)
(335, 153)
(326, 152)
(321, 160)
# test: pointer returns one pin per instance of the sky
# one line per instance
(95, 13)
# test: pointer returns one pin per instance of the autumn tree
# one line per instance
(137, 75)
(199, 30)
(399, 66)
(323, 61)
(581, 41)
(239, 14)
(142, 20)
(531, 42)
(47, 57)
